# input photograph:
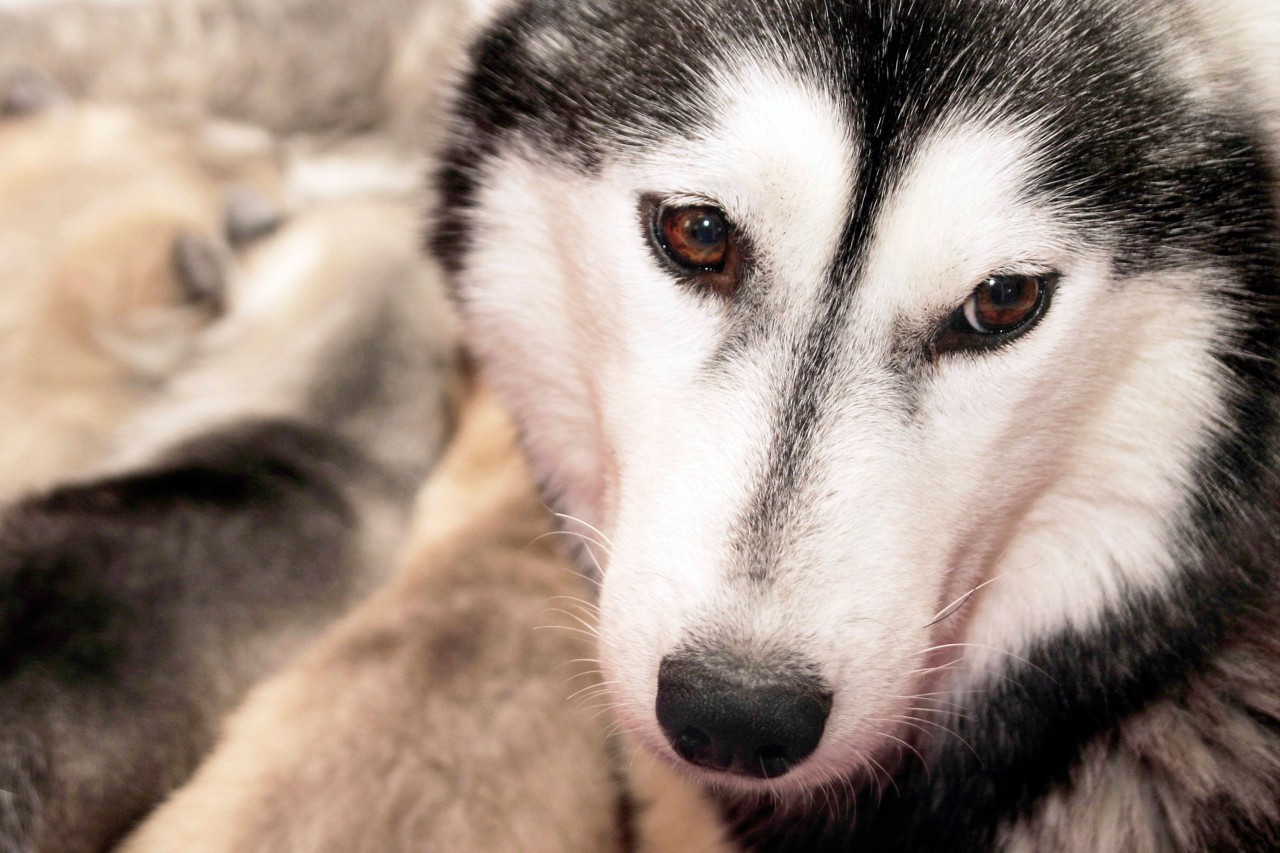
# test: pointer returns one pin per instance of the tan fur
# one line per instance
(92, 199)
(335, 323)
(434, 716)
(673, 814)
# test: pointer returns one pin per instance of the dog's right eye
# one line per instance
(695, 236)
(700, 242)
(1004, 303)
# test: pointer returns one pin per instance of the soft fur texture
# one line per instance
(298, 66)
(433, 716)
(115, 263)
(1037, 580)
(259, 496)
(1009, 563)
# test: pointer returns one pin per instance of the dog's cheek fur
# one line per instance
(1197, 772)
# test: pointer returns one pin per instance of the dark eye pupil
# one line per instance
(705, 230)
(1003, 302)
(1000, 308)
(1007, 291)
(696, 236)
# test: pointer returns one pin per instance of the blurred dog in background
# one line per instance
(431, 717)
(116, 236)
(245, 401)
(435, 717)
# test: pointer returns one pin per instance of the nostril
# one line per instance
(772, 760)
(694, 745)
(690, 740)
(728, 719)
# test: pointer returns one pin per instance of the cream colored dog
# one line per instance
(114, 258)
(432, 717)
(233, 488)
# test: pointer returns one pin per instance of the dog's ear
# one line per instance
(25, 91)
(249, 215)
(202, 267)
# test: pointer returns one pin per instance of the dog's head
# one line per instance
(118, 235)
(871, 340)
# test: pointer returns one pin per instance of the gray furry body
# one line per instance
(303, 66)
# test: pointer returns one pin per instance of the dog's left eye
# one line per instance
(1000, 308)
(1003, 303)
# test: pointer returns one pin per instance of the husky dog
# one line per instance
(431, 717)
(262, 495)
(916, 363)
(115, 259)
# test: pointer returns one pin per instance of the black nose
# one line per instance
(726, 720)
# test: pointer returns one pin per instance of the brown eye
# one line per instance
(695, 237)
(998, 310)
(1005, 303)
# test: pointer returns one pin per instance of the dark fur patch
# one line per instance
(123, 601)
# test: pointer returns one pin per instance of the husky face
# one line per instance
(876, 343)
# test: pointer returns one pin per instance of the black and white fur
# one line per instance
(1038, 581)
(259, 499)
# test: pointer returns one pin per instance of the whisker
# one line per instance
(584, 537)
(948, 702)
(828, 799)
(917, 752)
(591, 606)
(1005, 652)
(596, 530)
(595, 630)
(583, 575)
(908, 723)
(880, 767)
(593, 636)
(947, 693)
(592, 673)
(959, 602)
(590, 553)
(949, 731)
(955, 714)
(618, 727)
(580, 574)
(592, 690)
(929, 669)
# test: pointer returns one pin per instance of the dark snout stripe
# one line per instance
(814, 365)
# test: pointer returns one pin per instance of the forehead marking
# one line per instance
(906, 217)
(812, 356)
